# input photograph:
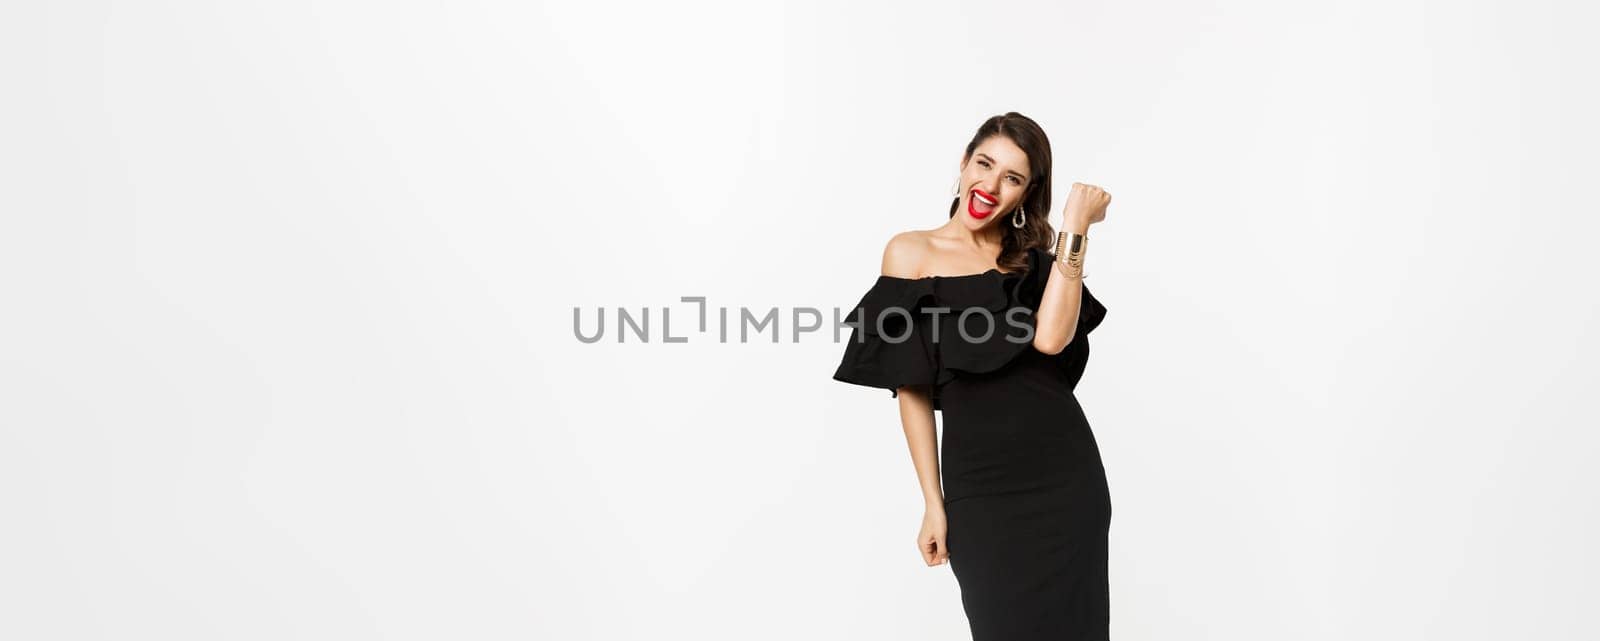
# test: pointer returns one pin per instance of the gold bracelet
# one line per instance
(1070, 247)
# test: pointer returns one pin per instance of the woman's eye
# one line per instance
(984, 164)
(1015, 180)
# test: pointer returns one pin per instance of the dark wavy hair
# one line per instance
(1036, 232)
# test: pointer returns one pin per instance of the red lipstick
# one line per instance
(976, 196)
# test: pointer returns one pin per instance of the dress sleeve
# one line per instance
(911, 332)
(890, 345)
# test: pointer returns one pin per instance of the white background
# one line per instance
(288, 290)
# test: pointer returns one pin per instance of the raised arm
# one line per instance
(1057, 319)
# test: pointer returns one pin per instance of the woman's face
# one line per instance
(993, 181)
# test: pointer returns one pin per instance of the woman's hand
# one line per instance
(930, 541)
(1086, 205)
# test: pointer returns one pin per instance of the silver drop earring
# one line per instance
(1020, 219)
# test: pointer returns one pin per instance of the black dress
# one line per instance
(1025, 493)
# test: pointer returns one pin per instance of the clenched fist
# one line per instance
(1086, 203)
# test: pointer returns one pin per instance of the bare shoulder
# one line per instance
(905, 254)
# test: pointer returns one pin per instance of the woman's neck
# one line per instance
(985, 241)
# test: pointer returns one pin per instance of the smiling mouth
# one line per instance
(980, 204)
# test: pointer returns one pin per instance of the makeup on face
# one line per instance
(981, 203)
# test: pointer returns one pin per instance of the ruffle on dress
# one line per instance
(927, 331)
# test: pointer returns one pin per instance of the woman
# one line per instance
(1023, 510)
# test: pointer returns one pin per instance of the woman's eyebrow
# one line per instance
(986, 157)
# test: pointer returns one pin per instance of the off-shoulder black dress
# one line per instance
(1025, 493)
